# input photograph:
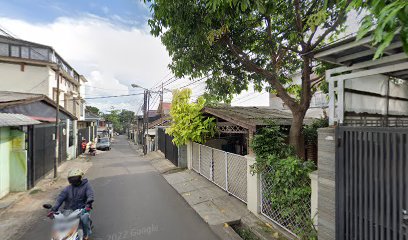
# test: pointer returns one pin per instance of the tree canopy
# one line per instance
(93, 110)
(121, 119)
(236, 42)
(384, 20)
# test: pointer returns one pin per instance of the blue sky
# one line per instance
(107, 41)
(123, 12)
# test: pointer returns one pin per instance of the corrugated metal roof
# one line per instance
(250, 117)
(10, 119)
(6, 96)
(8, 99)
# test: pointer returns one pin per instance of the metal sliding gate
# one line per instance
(372, 183)
(166, 146)
(226, 170)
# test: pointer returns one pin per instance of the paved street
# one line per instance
(133, 201)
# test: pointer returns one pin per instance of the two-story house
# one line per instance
(28, 67)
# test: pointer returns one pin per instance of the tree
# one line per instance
(386, 18)
(187, 121)
(93, 110)
(120, 119)
(126, 117)
(236, 42)
(113, 117)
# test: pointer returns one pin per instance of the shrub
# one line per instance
(310, 131)
(286, 180)
(188, 123)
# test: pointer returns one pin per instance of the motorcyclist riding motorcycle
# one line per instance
(78, 195)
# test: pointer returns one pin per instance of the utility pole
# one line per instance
(57, 128)
(145, 121)
(161, 104)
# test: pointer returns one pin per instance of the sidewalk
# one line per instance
(213, 204)
(20, 209)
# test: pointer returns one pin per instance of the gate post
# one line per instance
(326, 183)
(253, 187)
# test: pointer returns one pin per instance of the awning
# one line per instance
(10, 119)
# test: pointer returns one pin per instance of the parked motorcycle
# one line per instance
(92, 151)
(67, 224)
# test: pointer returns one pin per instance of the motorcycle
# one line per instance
(67, 224)
(92, 151)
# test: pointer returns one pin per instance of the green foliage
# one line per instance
(269, 146)
(188, 123)
(290, 190)
(93, 110)
(386, 18)
(120, 119)
(310, 131)
(287, 177)
(238, 42)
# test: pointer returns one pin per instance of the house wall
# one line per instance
(18, 161)
(39, 80)
(33, 79)
(66, 98)
(5, 146)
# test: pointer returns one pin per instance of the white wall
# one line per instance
(32, 80)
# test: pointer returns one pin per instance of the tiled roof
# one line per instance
(10, 119)
(250, 117)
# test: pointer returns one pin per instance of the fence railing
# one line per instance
(226, 170)
(291, 221)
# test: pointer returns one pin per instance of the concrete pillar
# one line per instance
(182, 156)
(75, 132)
(67, 129)
(253, 187)
(314, 177)
(189, 155)
(156, 139)
(326, 183)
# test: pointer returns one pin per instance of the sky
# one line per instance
(106, 41)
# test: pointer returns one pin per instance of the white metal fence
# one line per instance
(226, 170)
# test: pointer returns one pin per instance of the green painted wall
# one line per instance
(5, 147)
(18, 162)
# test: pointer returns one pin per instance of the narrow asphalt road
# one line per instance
(133, 201)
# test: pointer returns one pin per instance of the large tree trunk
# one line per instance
(295, 134)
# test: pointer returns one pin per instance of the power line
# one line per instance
(110, 89)
(251, 98)
(194, 82)
(115, 96)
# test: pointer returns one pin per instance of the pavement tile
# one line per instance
(175, 178)
(194, 197)
(183, 187)
(213, 192)
(210, 213)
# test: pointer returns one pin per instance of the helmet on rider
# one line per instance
(75, 176)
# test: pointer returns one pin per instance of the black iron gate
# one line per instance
(371, 183)
(167, 146)
(43, 151)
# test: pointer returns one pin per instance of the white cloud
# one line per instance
(111, 57)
